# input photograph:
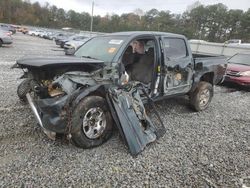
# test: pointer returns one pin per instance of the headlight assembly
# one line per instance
(246, 73)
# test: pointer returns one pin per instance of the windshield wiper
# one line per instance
(89, 57)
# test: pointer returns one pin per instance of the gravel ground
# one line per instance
(205, 149)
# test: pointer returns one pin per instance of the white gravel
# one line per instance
(206, 149)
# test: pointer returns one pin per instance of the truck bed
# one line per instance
(196, 55)
(211, 63)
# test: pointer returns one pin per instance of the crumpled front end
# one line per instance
(125, 105)
(50, 124)
(52, 112)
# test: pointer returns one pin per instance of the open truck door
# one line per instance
(130, 116)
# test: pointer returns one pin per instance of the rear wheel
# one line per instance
(91, 122)
(1, 43)
(202, 96)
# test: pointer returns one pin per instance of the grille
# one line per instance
(233, 73)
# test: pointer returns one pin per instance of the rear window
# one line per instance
(175, 48)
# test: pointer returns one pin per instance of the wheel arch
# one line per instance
(98, 90)
(205, 77)
(208, 77)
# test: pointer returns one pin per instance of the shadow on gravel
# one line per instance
(177, 104)
(231, 87)
(6, 46)
(58, 50)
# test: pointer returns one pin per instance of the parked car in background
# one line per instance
(62, 37)
(48, 35)
(40, 33)
(238, 70)
(33, 32)
(74, 37)
(233, 41)
(22, 29)
(8, 27)
(56, 35)
(197, 41)
(236, 42)
(71, 46)
(5, 37)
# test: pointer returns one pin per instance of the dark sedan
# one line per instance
(238, 70)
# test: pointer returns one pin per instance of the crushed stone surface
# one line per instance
(205, 149)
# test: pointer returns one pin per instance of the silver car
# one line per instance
(5, 37)
(71, 46)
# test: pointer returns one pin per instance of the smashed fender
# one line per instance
(134, 125)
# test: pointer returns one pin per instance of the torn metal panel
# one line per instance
(52, 113)
(135, 126)
(68, 81)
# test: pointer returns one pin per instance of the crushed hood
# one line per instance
(56, 60)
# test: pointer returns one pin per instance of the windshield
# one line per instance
(243, 59)
(103, 48)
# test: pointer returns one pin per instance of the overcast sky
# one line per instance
(102, 7)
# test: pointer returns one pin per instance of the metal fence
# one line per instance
(219, 48)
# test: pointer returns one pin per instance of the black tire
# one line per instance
(24, 88)
(80, 136)
(1, 43)
(202, 96)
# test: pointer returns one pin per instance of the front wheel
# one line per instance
(202, 96)
(91, 122)
(24, 88)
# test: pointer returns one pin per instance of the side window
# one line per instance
(174, 48)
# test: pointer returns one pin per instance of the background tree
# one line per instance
(211, 23)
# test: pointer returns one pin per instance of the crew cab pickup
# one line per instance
(86, 95)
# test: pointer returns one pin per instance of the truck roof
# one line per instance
(138, 33)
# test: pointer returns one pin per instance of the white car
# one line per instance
(71, 46)
(5, 37)
(34, 32)
(197, 41)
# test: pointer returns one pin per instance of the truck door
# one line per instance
(178, 66)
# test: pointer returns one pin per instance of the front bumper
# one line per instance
(50, 113)
(7, 40)
(242, 80)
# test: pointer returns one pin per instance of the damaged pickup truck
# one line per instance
(102, 85)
